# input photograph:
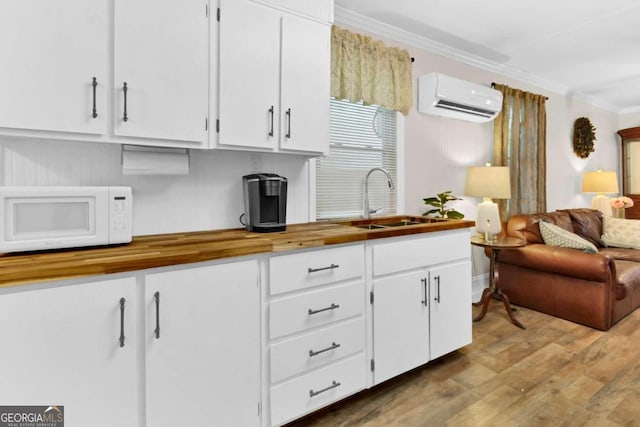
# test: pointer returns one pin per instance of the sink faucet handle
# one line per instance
(374, 211)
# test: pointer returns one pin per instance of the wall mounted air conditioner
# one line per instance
(447, 96)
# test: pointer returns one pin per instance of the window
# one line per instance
(362, 137)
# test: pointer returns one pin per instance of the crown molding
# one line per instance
(351, 18)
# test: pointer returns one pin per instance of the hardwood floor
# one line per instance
(554, 373)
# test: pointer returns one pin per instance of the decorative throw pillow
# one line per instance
(621, 233)
(557, 236)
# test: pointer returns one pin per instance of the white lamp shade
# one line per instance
(600, 182)
(488, 181)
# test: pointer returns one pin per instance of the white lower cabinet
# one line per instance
(316, 330)
(400, 324)
(72, 346)
(421, 300)
(202, 342)
(316, 389)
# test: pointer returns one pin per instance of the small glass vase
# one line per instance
(618, 212)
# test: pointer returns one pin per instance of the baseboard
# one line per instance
(478, 284)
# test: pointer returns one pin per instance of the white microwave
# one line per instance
(41, 218)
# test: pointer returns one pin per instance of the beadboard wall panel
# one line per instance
(210, 197)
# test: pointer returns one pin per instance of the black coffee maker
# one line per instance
(265, 202)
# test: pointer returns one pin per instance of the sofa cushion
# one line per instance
(558, 236)
(587, 223)
(621, 233)
(626, 254)
(525, 226)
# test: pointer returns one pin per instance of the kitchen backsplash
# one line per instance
(210, 197)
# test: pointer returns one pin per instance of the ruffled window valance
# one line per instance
(364, 69)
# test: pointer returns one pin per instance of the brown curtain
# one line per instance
(520, 143)
(364, 69)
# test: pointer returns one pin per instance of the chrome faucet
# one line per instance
(367, 211)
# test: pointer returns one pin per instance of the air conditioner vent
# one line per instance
(464, 108)
(447, 96)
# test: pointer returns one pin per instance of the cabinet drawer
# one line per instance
(304, 270)
(416, 252)
(294, 398)
(312, 309)
(297, 355)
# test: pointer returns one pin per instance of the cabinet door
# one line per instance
(400, 324)
(203, 366)
(306, 55)
(248, 75)
(450, 292)
(61, 346)
(51, 51)
(161, 53)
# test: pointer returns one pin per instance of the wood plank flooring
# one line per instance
(554, 373)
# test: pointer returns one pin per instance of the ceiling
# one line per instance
(585, 48)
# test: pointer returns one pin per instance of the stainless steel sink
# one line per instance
(394, 221)
(371, 226)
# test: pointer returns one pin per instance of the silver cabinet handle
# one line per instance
(315, 270)
(94, 111)
(288, 114)
(334, 384)
(125, 89)
(437, 298)
(425, 301)
(271, 112)
(331, 307)
(156, 296)
(333, 346)
(122, 301)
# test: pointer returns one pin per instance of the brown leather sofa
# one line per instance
(596, 290)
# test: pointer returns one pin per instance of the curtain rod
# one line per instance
(493, 84)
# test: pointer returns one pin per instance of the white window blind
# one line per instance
(362, 137)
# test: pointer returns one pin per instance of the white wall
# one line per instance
(210, 197)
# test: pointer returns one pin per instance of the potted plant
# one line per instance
(439, 203)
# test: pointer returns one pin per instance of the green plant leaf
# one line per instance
(454, 214)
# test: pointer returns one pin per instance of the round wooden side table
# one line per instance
(493, 291)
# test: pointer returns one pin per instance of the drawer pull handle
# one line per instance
(331, 267)
(122, 301)
(331, 307)
(334, 384)
(437, 298)
(333, 346)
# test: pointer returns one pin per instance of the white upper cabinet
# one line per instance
(51, 51)
(248, 92)
(274, 73)
(162, 56)
(306, 56)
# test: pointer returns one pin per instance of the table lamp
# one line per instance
(488, 182)
(601, 183)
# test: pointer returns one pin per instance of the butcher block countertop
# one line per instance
(181, 248)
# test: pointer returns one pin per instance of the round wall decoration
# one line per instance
(584, 133)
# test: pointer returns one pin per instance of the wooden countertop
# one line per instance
(181, 248)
